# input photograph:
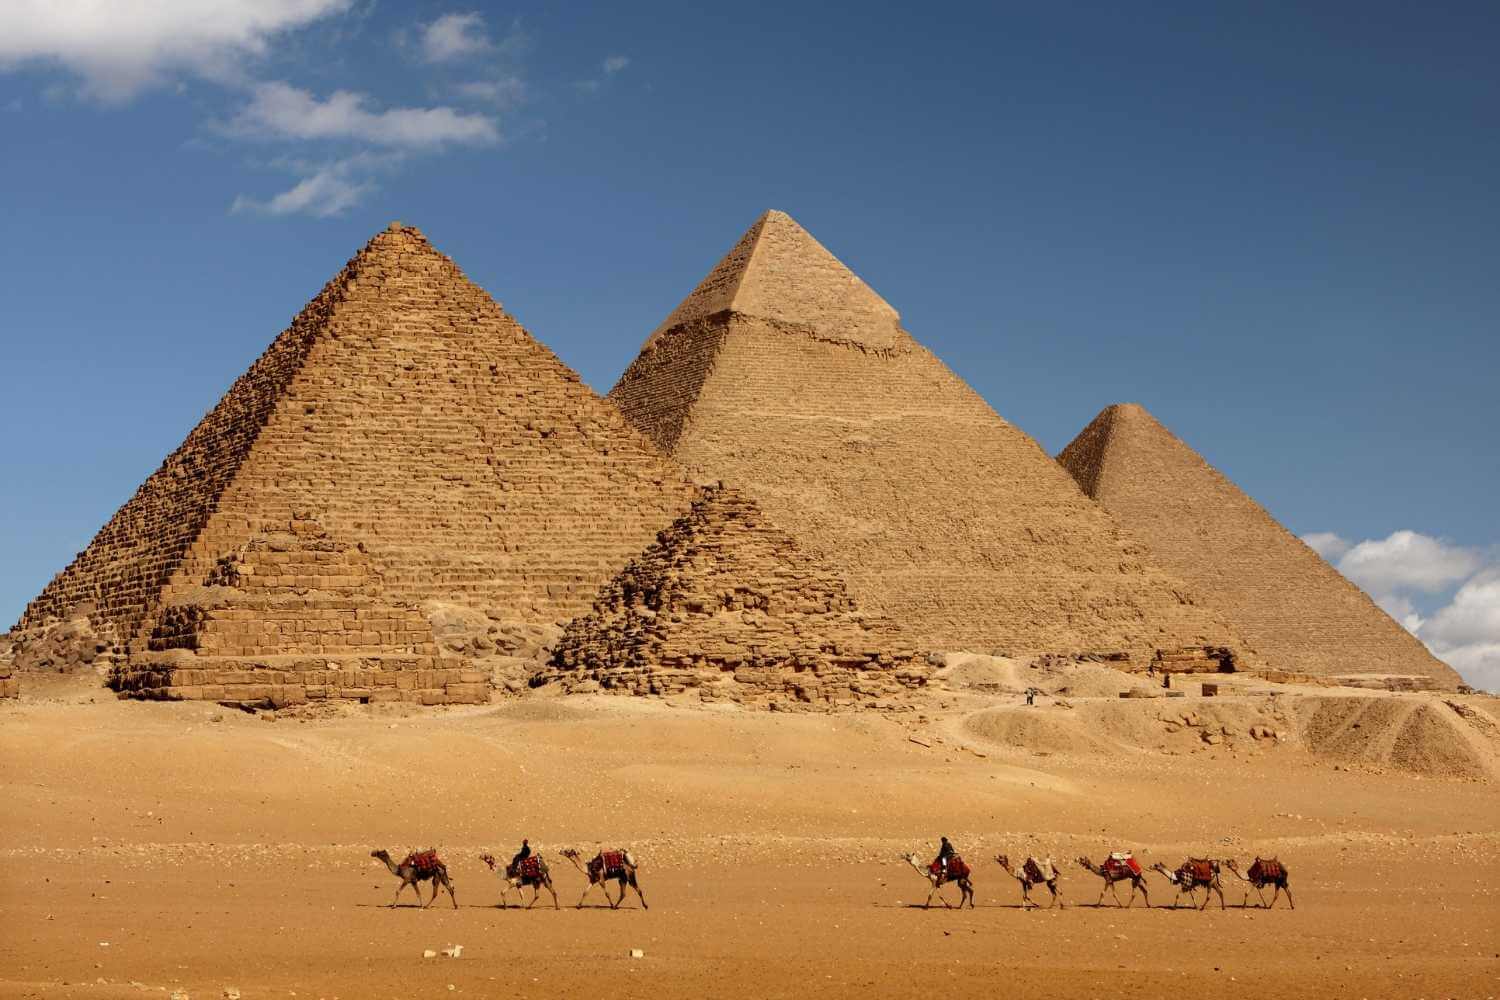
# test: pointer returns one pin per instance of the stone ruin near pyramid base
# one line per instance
(726, 604)
(1307, 621)
(787, 376)
(403, 443)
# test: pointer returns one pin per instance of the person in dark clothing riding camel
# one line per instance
(522, 854)
(945, 852)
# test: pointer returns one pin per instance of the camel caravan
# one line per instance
(526, 870)
(1119, 866)
(529, 870)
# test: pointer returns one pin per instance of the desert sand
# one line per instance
(185, 848)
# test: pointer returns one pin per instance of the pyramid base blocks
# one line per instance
(279, 682)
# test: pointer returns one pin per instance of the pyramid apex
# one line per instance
(779, 271)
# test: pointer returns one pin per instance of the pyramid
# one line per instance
(1300, 613)
(726, 603)
(404, 440)
(786, 376)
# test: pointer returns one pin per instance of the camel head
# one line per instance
(1004, 861)
(911, 859)
(1171, 876)
(1230, 864)
(488, 859)
(382, 854)
(569, 853)
(1086, 863)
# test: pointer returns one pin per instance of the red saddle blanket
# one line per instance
(1200, 870)
(613, 861)
(425, 862)
(1266, 870)
(956, 869)
(1118, 868)
(526, 868)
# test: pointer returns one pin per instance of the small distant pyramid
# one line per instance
(726, 603)
(1300, 613)
(404, 440)
(786, 376)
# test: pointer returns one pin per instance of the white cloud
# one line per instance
(1472, 617)
(280, 111)
(454, 36)
(122, 47)
(1407, 560)
(613, 64)
(1464, 632)
(327, 191)
(1327, 544)
(506, 92)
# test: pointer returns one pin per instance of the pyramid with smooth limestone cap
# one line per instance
(1299, 612)
(788, 377)
(404, 440)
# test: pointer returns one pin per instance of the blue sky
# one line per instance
(1273, 224)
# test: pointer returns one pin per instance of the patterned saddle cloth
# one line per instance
(1266, 870)
(526, 868)
(956, 869)
(425, 862)
(1122, 864)
(1200, 870)
(612, 863)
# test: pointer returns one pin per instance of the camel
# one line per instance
(604, 866)
(1032, 872)
(1193, 874)
(1112, 873)
(415, 869)
(1264, 872)
(956, 871)
(519, 876)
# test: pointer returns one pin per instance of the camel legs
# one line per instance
(554, 894)
(586, 890)
(447, 884)
(1056, 895)
(403, 885)
(965, 887)
(639, 895)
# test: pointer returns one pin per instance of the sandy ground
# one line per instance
(156, 849)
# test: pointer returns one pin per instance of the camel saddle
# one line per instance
(1201, 870)
(425, 862)
(613, 863)
(1038, 871)
(1266, 870)
(526, 868)
(1122, 864)
(956, 870)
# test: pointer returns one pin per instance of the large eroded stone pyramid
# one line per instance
(786, 376)
(725, 602)
(404, 440)
(1298, 611)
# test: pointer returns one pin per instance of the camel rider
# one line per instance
(945, 852)
(521, 855)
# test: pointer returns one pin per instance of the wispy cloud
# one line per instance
(278, 110)
(610, 67)
(504, 93)
(1406, 567)
(119, 49)
(327, 190)
(453, 36)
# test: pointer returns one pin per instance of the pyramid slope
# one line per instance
(1298, 611)
(727, 603)
(404, 413)
(938, 513)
